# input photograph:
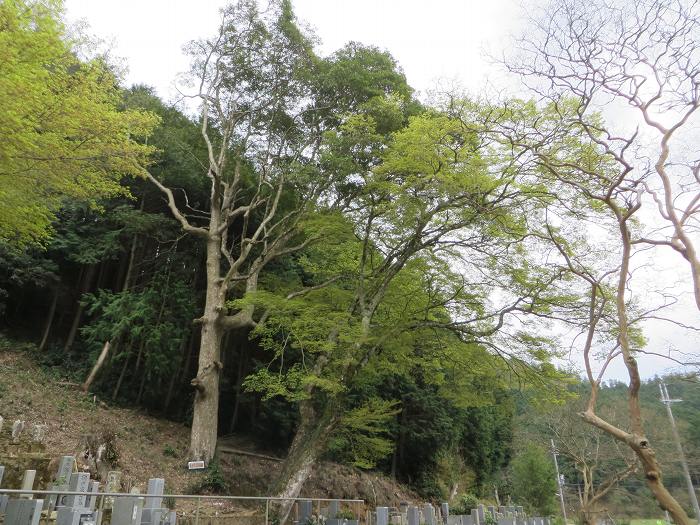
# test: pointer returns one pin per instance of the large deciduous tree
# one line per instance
(439, 221)
(640, 61)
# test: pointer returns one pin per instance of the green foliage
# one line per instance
(169, 451)
(362, 436)
(345, 514)
(213, 482)
(534, 480)
(63, 134)
(464, 504)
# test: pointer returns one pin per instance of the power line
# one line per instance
(666, 400)
(559, 481)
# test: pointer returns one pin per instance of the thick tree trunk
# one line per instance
(49, 320)
(588, 516)
(309, 443)
(206, 399)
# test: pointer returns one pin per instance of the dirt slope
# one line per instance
(150, 447)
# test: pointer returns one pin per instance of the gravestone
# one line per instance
(382, 515)
(76, 516)
(155, 486)
(429, 514)
(153, 513)
(475, 517)
(39, 433)
(333, 509)
(413, 515)
(482, 513)
(3, 497)
(445, 510)
(17, 428)
(113, 485)
(79, 482)
(491, 510)
(92, 497)
(61, 481)
(28, 483)
(127, 510)
(23, 511)
(305, 510)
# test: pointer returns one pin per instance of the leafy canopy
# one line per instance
(62, 135)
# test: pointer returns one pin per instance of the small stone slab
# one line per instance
(127, 510)
(23, 511)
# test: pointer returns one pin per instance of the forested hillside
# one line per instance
(303, 252)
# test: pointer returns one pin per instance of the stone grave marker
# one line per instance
(113, 485)
(127, 510)
(475, 517)
(79, 482)
(23, 511)
(333, 509)
(65, 469)
(382, 515)
(76, 516)
(482, 513)
(17, 428)
(306, 510)
(92, 497)
(429, 514)
(153, 513)
(3, 497)
(413, 515)
(28, 483)
(39, 433)
(445, 511)
(155, 486)
(2, 420)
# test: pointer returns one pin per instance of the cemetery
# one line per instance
(67, 496)
(322, 262)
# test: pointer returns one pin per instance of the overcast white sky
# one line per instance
(438, 41)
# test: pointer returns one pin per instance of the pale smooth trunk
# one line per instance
(49, 320)
(206, 400)
(309, 443)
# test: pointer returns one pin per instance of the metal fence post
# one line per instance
(196, 514)
(267, 511)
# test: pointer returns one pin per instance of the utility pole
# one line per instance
(561, 488)
(691, 490)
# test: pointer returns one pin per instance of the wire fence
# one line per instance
(206, 509)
